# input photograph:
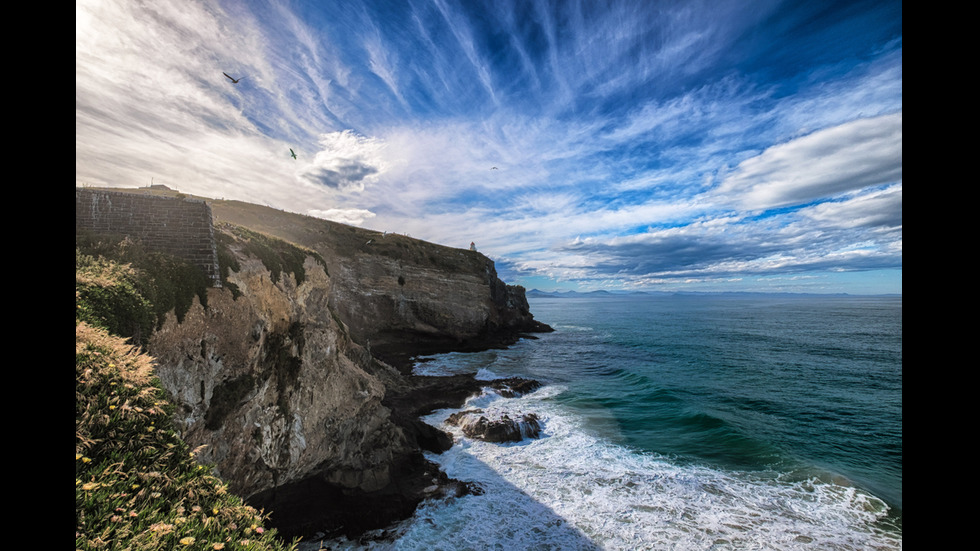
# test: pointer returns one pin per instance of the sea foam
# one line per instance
(571, 489)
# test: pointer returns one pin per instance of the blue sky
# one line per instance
(639, 145)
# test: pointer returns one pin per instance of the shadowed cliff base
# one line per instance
(314, 508)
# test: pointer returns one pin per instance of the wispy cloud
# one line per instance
(634, 144)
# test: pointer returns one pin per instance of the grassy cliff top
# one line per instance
(330, 239)
(334, 239)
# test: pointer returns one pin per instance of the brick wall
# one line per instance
(179, 226)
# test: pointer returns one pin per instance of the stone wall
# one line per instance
(180, 226)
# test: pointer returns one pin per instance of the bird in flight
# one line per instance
(493, 168)
(292, 153)
(233, 81)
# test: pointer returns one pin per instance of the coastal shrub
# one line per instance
(174, 283)
(107, 295)
(163, 280)
(137, 484)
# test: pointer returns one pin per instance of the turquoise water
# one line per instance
(800, 383)
(685, 422)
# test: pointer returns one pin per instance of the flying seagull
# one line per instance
(493, 168)
(233, 81)
(292, 153)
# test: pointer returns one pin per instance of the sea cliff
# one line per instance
(296, 382)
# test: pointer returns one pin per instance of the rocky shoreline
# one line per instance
(314, 509)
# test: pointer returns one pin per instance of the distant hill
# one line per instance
(590, 294)
(537, 293)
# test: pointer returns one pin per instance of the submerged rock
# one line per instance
(514, 386)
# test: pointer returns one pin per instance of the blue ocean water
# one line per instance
(684, 422)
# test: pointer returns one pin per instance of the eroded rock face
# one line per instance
(275, 389)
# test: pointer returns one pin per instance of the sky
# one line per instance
(582, 145)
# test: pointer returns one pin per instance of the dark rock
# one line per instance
(504, 429)
(312, 506)
(430, 438)
(457, 418)
(514, 386)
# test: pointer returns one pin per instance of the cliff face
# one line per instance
(401, 296)
(286, 388)
(273, 387)
(403, 302)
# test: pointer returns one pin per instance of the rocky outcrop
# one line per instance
(281, 380)
(501, 428)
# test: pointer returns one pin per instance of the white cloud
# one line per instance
(354, 217)
(878, 208)
(847, 157)
(348, 162)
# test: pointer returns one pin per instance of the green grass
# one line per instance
(276, 254)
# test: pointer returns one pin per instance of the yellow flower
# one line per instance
(78, 456)
(90, 486)
(188, 540)
(219, 546)
(86, 460)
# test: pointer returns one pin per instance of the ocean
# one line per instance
(682, 422)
